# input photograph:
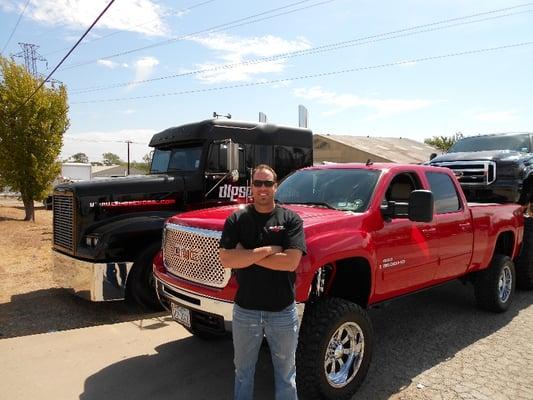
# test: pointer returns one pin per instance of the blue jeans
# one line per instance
(281, 331)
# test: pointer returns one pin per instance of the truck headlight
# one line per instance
(91, 240)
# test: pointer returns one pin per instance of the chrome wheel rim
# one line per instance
(344, 354)
(505, 284)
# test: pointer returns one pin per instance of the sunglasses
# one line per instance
(259, 183)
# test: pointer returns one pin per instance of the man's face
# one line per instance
(263, 195)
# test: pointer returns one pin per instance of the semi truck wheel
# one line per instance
(524, 263)
(140, 286)
(494, 286)
(334, 350)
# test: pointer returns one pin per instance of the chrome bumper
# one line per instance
(203, 304)
(91, 281)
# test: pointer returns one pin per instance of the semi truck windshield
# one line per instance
(177, 159)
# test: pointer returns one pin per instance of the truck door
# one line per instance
(454, 227)
(406, 251)
(220, 189)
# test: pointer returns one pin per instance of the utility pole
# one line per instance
(128, 143)
(30, 55)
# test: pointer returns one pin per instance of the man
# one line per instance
(264, 243)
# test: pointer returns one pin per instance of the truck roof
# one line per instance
(223, 129)
(376, 166)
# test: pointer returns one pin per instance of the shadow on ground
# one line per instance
(52, 310)
(413, 334)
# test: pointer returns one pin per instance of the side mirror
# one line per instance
(232, 156)
(388, 210)
(432, 156)
(234, 175)
(421, 204)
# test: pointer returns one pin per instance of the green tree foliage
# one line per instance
(111, 159)
(443, 142)
(30, 136)
(79, 158)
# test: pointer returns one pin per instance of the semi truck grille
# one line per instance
(63, 221)
(192, 254)
(472, 172)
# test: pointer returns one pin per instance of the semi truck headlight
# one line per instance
(91, 241)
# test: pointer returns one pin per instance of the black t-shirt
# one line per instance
(263, 288)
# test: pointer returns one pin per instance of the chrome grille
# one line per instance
(192, 254)
(63, 205)
(472, 172)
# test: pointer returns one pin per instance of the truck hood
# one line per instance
(124, 185)
(214, 218)
(493, 155)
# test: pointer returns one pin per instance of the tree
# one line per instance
(80, 158)
(443, 142)
(31, 136)
(111, 159)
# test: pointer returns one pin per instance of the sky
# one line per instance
(390, 68)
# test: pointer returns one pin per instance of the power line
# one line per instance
(183, 10)
(303, 77)
(102, 140)
(15, 27)
(217, 28)
(64, 58)
(321, 49)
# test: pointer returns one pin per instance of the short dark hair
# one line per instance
(267, 167)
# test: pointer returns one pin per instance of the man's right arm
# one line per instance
(241, 258)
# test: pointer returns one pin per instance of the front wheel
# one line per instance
(334, 349)
(494, 287)
(140, 286)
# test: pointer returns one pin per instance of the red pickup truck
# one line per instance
(374, 232)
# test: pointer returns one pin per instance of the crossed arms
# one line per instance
(272, 257)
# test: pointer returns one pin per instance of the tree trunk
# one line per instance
(29, 209)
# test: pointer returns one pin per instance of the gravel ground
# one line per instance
(30, 302)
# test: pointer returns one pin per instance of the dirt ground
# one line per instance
(30, 302)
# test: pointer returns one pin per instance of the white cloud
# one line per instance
(141, 16)
(108, 64)
(342, 102)
(95, 143)
(497, 116)
(144, 67)
(234, 50)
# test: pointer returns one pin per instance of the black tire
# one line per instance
(524, 263)
(140, 286)
(494, 287)
(323, 320)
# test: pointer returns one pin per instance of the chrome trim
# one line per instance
(197, 231)
(208, 304)
(487, 180)
(91, 281)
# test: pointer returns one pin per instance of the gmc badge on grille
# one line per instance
(187, 254)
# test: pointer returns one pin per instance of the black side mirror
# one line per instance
(388, 209)
(421, 204)
(432, 156)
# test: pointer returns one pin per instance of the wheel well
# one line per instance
(505, 244)
(527, 191)
(351, 280)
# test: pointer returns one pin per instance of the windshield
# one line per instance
(480, 143)
(178, 159)
(341, 189)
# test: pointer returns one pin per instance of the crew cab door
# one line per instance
(454, 227)
(406, 251)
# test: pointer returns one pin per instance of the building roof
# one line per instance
(399, 150)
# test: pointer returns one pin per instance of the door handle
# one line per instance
(428, 231)
(465, 226)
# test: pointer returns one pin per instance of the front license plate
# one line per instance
(181, 315)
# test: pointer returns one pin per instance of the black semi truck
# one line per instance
(106, 232)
